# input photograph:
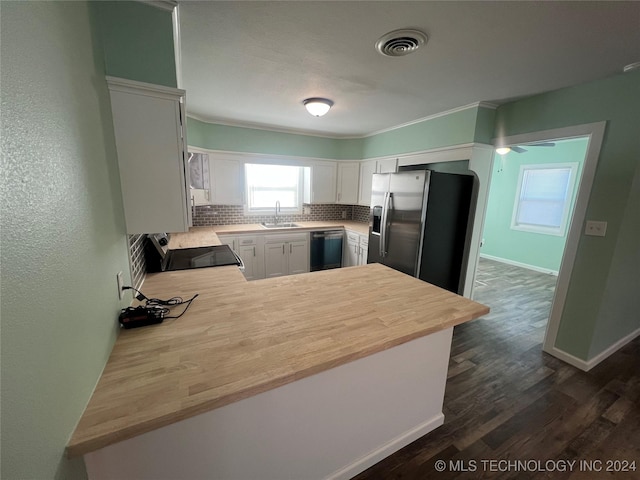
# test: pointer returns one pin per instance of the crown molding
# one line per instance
(267, 128)
(167, 5)
(434, 116)
(293, 131)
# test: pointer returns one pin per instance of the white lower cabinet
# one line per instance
(356, 249)
(363, 253)
(286, 255)
(250, 250)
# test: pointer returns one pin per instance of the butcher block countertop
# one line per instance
(205, 236)
(242, 338)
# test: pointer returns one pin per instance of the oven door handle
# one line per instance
(240, 262)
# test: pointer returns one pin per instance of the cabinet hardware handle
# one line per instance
(290, 248)
(254, 251)
(283, 248)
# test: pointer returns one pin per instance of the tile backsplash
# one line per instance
(207, 215)
(361, 214)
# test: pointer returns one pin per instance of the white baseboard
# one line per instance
(612, 349)
(587, 365)
(520, 264)
(568, 358)
(387, 449)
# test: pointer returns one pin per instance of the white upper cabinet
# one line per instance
(320, 183)
(347, 187)
(367, 169)
(227, 181)
(152, 160)
(387, 165)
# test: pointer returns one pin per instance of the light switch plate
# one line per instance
(596, 229)
(120, 285)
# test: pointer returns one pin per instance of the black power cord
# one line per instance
(160, 305)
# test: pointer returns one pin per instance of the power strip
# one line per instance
(133, 317)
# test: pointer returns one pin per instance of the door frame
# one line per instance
(595, 134)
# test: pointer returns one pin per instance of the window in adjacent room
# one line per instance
(266, 184)
(543, 198)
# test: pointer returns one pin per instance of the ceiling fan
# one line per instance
(518, 149)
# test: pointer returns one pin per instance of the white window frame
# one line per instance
(556, 231)
(271, 210)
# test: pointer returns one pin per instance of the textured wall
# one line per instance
(617, 100)
(137, 41)
(62, 234)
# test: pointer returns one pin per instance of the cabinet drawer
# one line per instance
(353, 237)
(247, 240)
(286, 238)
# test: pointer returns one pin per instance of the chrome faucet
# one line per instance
(275, 219)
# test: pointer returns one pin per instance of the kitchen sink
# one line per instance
(279, 225)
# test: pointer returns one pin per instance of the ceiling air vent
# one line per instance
(400, 42)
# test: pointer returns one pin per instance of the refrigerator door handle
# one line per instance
(383, 225)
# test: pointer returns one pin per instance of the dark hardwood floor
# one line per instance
(506, 400)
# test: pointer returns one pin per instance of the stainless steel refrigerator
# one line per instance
(420, 224)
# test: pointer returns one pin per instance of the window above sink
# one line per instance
(268, 184)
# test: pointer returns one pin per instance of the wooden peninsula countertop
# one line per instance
(242, 338)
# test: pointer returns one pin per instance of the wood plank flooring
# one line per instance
(507, 400)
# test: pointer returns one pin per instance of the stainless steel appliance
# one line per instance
(326, 250)
(159, 258)
(419, 225)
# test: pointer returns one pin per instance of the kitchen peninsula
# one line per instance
(317, 375)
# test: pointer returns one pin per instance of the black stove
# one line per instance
(160, 259)
(201, 257)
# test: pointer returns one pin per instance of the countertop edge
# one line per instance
(102, 441)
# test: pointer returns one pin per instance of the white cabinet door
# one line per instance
(275, 260)
(200, 196)
(227, 181)
(347, 188)
(367, 169)
(351, 254)
(150, 145)
(363, 252)
(249, 256)
(387, 165)
(229, 240)
(323, 183)
(298, 257)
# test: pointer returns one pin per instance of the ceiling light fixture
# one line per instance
(317, 106)
(502, 150)
(631, 67)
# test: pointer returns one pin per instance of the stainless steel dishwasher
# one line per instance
(326, 249)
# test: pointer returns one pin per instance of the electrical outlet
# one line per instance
(344, 214)
(120, 285)
(596, 229)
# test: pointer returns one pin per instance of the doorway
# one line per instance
(528, 226)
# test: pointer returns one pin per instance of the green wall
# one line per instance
(453, 129)
(617, 100)
(62, 233)
(621, 302)
(252, 140)
(138, 41)
(500, 240)
(474, 124)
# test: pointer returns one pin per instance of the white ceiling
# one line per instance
(252, 63)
